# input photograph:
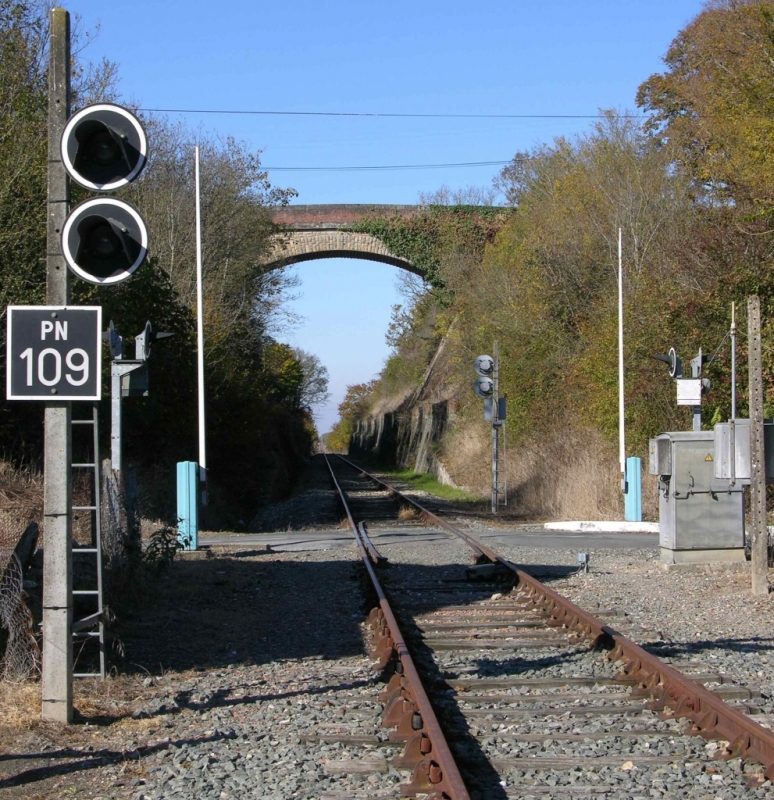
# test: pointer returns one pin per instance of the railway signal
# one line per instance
(689, 390)
(128, 378)
(104, 239)
(484, 366)
(674, 363)
(104, 147)
(486, 386)
(144, 340)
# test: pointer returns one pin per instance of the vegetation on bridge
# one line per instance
(437, 235)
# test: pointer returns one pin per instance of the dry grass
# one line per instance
(19, 705)
(150, 526)
(407, 513)
(20, 487)
(21, 501)
(384, 405)
(570, 476)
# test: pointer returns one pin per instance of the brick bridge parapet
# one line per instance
(334, 216)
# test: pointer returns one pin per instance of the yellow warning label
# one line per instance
(709, 457)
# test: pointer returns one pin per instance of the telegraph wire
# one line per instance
(377, 114)
(391, 167)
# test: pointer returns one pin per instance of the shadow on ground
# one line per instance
(221, 611)
(235, 610)
(229, 610)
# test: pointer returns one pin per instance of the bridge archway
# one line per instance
(313, 232)
(297, 246)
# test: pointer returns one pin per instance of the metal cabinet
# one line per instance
(701, 517)
(736, 439)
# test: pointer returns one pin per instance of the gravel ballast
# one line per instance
(245, 676)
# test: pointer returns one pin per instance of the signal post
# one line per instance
(487, 387)
(56, 357)
(57, 679)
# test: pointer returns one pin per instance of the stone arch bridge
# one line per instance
(317, 231)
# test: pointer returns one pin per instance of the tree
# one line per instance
(468, 196)
(714, 105)
(352, 408)
(24, 37)
(254, 406)
(314, 384)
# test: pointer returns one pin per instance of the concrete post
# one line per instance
(57, 547)
(758, 529)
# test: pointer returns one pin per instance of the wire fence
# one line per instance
(21, 659)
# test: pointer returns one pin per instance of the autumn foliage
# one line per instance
(691, 187)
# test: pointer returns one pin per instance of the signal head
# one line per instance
(144, 340)
(484, 365)
(674, 363)
(484, 387)
(104, 147)
(104, 240)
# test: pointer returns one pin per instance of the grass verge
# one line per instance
(427, 483)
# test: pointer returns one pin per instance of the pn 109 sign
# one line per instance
(54, 353)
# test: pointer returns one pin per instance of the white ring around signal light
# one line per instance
(83, 209)
(79, 117)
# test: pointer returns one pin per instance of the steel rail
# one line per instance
(406, 704)
(483, 553)
(710, 716)
(376, 556)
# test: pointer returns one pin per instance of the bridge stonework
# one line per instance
(315, 231)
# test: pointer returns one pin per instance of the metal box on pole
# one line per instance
(188, 504)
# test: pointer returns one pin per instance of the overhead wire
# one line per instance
(390, 167)
(389, 115)
(274, 113)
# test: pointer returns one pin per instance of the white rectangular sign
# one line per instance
(688, 391)
(54, 353)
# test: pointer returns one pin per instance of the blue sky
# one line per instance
(559, 57)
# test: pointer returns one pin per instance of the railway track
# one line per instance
(498, 687)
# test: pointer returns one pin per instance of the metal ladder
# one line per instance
(84, 628)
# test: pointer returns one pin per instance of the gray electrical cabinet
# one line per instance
(701, 517)
(736, 440)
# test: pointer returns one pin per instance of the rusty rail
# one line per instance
(407, 707)
(709, 715)
(375, 555)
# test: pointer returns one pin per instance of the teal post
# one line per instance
(188, 504)
(633, 496)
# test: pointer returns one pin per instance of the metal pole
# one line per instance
(733, 360)
(758, 529)
(200, 339)
(732, 421)
(495, 427)
(98, 538)
(621, 421)
(57, 688)
(116, 453)
(505, 466)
